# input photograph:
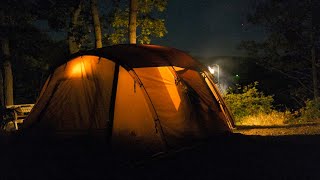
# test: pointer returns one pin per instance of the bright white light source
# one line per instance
(211, 70)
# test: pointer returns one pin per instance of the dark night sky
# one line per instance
(208, 27)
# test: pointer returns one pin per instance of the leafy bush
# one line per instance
(247, 101)
(311, 112)
(251, 107)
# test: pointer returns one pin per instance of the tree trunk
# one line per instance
(8, 78)
(314, 72)
(133, 21)
(313, 52)
(2, 105)
(1, 89)
(96, 23)
(74, 46)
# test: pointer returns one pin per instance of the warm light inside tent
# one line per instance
(77, 70)
(81, 67)
(172, 90)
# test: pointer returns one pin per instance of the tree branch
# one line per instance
(289, 76)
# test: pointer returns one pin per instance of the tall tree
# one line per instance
(70, 18)
(133, 21)
(10, 23)
(292, 42)
(32, 53)
(150, 22)
(96, 23)
(8, 77)
(24, 52)
(74, 45)
(314, 39)
(314, 67)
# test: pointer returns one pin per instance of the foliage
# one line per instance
(32, 51)
(149, 21)
(58, 15)
(32, 54)
(287, 47)
(311, 112)
(10, 19)
(247, 101)
(251, 107)
(24, 40)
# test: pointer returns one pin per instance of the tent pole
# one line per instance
(222, 104)
(157, 122)
(112, 103)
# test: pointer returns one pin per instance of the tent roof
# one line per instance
(135, 56)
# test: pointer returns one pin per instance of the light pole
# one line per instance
(212, 70)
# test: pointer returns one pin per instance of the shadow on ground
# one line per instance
(232, 156)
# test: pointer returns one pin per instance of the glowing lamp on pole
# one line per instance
(212, 70)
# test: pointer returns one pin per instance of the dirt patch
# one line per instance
(299, 129)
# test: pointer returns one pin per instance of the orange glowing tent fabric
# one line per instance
(148, 96)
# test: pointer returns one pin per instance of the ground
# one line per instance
(298, 129)
(283, 152)
(248, 153)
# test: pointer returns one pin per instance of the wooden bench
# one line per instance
(20, 112)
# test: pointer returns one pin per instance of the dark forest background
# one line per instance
(37, 35)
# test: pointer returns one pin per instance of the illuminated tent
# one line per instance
(142, 95)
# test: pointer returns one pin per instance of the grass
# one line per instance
(274, 118)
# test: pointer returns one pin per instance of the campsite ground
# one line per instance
(285, 152)
(250, 153)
